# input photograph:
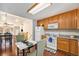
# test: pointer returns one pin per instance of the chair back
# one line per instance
(19, 38)
(8, 36)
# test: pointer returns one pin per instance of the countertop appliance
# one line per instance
(53, 26)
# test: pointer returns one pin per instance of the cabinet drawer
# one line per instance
(73, 46)
(63, 46)
(78, 48)
(63, 40)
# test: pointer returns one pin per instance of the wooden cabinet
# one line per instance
(74, 19)
(53, 19)
(77, 18)
(73, 44)
(39, 22)
(47, 21)
(77, 23)
(43, 22)
(63, 44)
(68, 45)
(67, 20)
(62, 22)
(78, 48)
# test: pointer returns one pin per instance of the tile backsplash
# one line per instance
(64, 32)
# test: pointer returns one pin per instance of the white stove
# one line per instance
(51, 41)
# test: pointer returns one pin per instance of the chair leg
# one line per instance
(10, 42)
(0, 45)
(17, 52)
(23, 52)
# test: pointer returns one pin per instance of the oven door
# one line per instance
(51, 43)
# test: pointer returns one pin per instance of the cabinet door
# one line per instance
(67, 20)
(74, 19)
(77, 18)
(77, 23)
(78, 48)
(63, 44)
(53, 19)
(73, 46)
(62, 22)
(39, 23)
(45, 21)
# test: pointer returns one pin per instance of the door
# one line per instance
(77, 18)
(63, 44)
(73, 46)
(68, 20)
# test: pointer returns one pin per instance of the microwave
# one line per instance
(53, 26)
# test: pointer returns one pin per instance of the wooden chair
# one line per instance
(19, 38)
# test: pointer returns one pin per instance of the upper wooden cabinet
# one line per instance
(53, 19)
(67, 20)
(62, 22)
(38, 22)
(77, 18)
(74, 19)
(43, 22)
(47, 21)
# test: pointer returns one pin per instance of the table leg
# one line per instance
(28, 50)
(23, 52)
(10, 42)
(36, 49)
(5, 45)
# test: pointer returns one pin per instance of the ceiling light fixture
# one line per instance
(37, 7)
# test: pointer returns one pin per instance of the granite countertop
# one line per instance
(69, 37)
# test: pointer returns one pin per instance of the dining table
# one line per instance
(25, 46)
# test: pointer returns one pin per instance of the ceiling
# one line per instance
(20, 9)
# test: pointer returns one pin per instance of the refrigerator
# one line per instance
(39, 31)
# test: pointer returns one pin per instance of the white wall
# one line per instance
(17, 21)
(28, 27)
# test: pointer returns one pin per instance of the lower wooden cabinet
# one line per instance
(63, 44)
(78, 48)
(68, 45)
(73, 45)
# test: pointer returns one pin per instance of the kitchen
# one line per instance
(67, 31)
(53, 31)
